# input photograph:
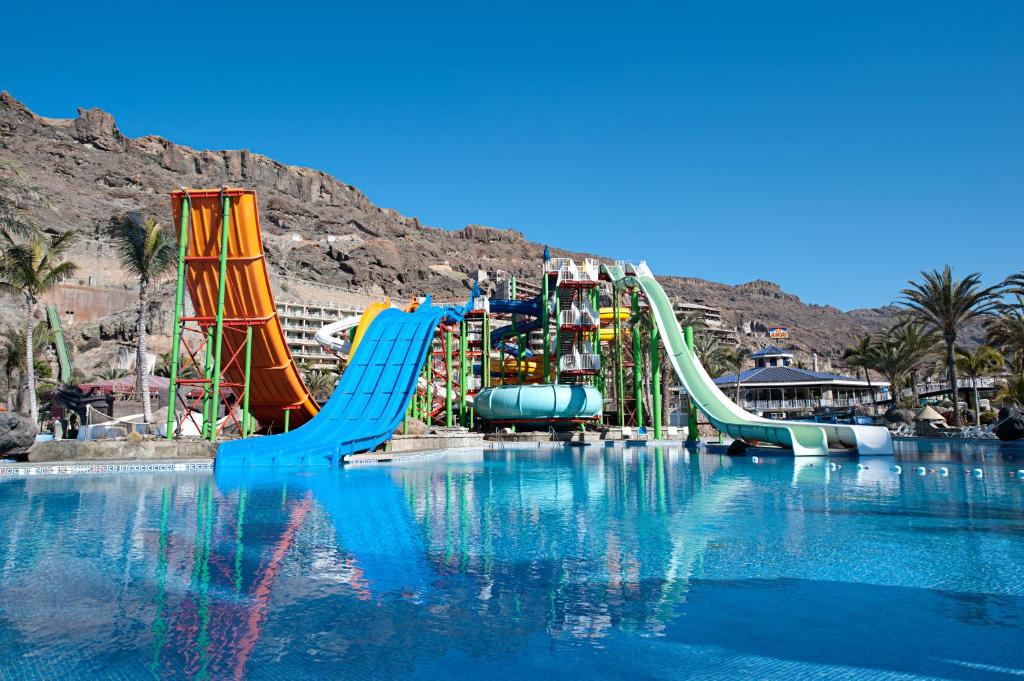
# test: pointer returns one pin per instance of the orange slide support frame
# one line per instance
(235, 319)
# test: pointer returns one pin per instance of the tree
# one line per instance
(711, 353)
(148, 251)
(736, 358)
(12, 346)
(919, 345)
(321, 383)
(894, 361)
(15, 194)
(694, 318)
(110, 373)
(944, 304)
(1006, 332)
(1014, 284)
(29, 270)
(186, 367)
(1013, 392)
(985, 361)
(861, 355)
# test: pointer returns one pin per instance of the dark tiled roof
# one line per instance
(778, 375)
(770, 351)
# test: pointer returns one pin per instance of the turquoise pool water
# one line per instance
(595, 563)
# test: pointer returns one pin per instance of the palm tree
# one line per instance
(944, 304)
(148, 251)
(920, 345)
(735, 360)
(29, 270)
(15, 193)
(110, 373)
(1006, 332)
(1012, 392)
(12, 346)
(711, 353)
(894, 361)
(320, 383)
(861, 355)
(1015, 284)
(985, 361)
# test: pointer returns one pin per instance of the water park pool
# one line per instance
(592, 563)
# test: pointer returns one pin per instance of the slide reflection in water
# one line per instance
(590, 563)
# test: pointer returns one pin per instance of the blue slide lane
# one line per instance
(527, 308)
(367, 405)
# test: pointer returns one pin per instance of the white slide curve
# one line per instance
(328, 337)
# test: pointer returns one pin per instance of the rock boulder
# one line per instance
(1011, 424)
(17, 434)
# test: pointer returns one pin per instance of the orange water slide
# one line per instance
(275, 382)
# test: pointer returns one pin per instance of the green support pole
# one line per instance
(221, 288)
(416, 398)
(485, 351)
(463, 377)
(620, 379)
(512, 296)
(638, 393)
(595, 302)
(287, 419)
(179, 296)
(656, 381)
(558, 337)
(245, 396)
(544, 329)
(691, 423)
(428, 415)
(448, 378)
(519, 357)
(208, 375)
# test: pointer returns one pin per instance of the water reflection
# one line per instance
(388, 571)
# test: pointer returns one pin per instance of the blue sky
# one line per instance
(837, 148)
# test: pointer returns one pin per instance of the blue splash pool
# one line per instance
(584, 563)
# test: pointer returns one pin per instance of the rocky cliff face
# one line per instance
(319, 228)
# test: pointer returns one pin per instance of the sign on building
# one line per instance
(778, 332)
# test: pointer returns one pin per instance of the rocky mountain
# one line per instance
(319, 228)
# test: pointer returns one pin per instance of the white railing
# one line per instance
(584, 315)
(569, 271)
(809, 403)
(579, 361)
(943, 386)
(556, 264)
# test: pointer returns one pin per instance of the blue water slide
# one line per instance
(367, 405)
(530, 308)
(388, 562)
(526, 308)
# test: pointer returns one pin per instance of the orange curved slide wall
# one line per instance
(275, 382)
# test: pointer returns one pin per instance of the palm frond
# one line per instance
(145, 247)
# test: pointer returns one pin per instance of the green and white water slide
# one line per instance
(804, 438)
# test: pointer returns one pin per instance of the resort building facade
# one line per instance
(712, 317)
(775, 387)
(301, 321)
